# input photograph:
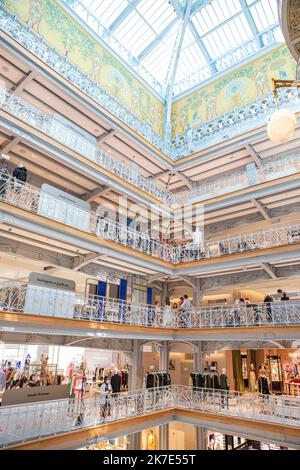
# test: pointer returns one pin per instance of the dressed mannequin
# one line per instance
(151, 444)
(115, 381)
(252, 378)
(20, 173)
(263, 382)
(224, 384)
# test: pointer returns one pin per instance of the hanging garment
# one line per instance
(263, 385)
(215, 381)
(224, 382)
(252, 380)
(115, 382)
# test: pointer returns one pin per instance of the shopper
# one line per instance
(186, 311)
(156, 314)
(33, 381)
(105, 392)
(268, 299)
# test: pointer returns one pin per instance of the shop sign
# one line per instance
(49, 295)
(19, 396)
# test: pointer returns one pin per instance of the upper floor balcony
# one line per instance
(271, 168)
(46, 301)
(206, 134)
(74, 140)
(45, 202)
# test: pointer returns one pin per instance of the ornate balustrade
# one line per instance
(251, 241)
(35, 300)
(207, 134)
(76, 141)
(22, 423)
(40, 202)
(276, 168)
(271, 169)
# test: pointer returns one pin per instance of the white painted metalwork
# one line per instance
(274, 168)
(70, 138)
(206, 134)
(27, 197)
(108, 310)
(22, 423)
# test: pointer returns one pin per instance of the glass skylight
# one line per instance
(143, 33)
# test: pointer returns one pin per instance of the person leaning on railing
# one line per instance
(268, 299)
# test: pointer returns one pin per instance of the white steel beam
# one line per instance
(173, 69)
(261, 208)
(270, 270)
(123, 15)
(254, 155)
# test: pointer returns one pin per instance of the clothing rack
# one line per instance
(157, 379)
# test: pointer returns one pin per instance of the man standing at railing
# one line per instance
(186, 312)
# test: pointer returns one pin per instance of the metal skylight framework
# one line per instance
(218, 34)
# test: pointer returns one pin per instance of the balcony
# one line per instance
(55, 303)
(22, 423)
(46, 204)
(75, 141)
(272, 168)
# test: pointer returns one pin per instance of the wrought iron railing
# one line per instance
(21, 423)
(265, 238)
(271, 169)
(36, 300)
(40, 202)
(227, 126)
(16, 106)
(49, 55)
(208, 133)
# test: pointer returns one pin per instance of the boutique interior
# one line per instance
(149, 231)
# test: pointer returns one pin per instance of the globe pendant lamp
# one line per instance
(281, 126)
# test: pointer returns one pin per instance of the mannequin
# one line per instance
(115, 381)
(252, 378)
(20, 173)
(263, 382)
(224, 385)
(151, 444)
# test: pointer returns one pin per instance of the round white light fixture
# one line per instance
(281, 126)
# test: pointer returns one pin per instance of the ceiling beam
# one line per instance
(21, 85)
(247, 12)
(106, 135)
(10, 145)
(91, 195)
(254, 155)
(81, 261)
(160, 174)
(200, 44)
(124, 14)
(261, 208)
(177, 7)
(187, 180)
(198, 5)
(270, 270)
(155, 277)
(188, 280)
(156, 40)
(173, 69)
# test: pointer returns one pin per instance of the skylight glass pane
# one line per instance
(215, 13)
(158, 14)
(264, 14)
(105, 10)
